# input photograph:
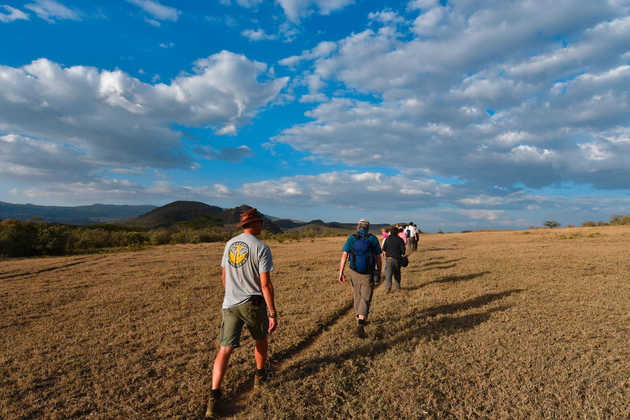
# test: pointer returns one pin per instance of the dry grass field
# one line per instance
(489, 325)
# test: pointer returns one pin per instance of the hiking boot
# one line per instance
(213, 404)
(260, 378)
(361, 331)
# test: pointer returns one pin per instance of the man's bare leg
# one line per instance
(220, 366)
(260, 352)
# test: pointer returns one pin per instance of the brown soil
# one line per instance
(489, 324)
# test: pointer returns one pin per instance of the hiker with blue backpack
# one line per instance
(364, 253)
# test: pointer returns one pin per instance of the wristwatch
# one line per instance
(272, 315)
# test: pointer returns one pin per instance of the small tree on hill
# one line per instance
(551, 224)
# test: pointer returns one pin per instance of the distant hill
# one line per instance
(177, 211)
(79, 215)
(194, 213)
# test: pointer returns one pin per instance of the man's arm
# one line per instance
(223, 277)
(267, 289)
(379, 262)
(342, 265)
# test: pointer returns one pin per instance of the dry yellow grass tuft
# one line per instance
(489, 324)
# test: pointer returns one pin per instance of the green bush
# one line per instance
(30, 238)
(52, 239)
(160, 237)
(18, 239)
(589, 223)
(620, 220)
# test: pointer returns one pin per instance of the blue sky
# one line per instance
(454, 114)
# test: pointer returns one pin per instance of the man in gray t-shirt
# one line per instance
(244, 257)
(246, 274)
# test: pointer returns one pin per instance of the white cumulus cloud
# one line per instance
(111, 118)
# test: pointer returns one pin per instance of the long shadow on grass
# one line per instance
(310, 338)
(439, 267)
(430, 263)
(450, 279)
(233, 408)
(415, 325)
(44, 270)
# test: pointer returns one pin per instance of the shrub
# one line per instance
(551, 224)
(18, 239)
(160, 236)
(620, 220)
(185, 236)
(52, 239)
(589, 223)
(87, 239)
(134, 239)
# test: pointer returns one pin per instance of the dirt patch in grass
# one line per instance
(488, 324)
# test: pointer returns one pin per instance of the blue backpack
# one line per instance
(361, 258)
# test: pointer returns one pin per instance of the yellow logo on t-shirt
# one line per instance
(238, 254)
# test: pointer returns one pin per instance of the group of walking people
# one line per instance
(249, 295)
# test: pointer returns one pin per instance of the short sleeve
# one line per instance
(265, 262)
(348, 245)
(224, 259)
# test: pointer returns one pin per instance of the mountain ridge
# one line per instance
(194, 213)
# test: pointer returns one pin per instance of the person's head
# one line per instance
(393, 230)
(251, 221)
(364, 224)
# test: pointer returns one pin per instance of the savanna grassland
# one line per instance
(488, 325)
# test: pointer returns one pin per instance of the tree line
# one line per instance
(38, 238)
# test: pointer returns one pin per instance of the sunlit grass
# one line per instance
(492, 324)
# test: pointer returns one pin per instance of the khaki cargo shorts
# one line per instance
(252, 314)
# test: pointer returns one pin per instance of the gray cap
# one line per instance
(364, 223)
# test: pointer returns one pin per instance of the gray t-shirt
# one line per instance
(244, 258)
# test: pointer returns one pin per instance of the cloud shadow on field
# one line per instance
(415, 325)
(450, 279)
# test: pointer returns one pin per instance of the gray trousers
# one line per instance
(392, 268)
(362, 288)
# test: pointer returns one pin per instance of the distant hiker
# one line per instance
(412, 239)
(394, 249)
(384, 235)
(246, 276)
(365, 253)
(401, 233)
